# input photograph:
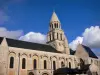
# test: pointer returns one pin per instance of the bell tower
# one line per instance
(56, 37)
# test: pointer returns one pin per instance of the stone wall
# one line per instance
(40, 56)
(3, 57)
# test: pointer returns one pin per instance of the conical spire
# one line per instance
(54, 17)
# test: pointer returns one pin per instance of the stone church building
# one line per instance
(25, 58)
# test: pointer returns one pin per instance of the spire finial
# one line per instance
(54, 17)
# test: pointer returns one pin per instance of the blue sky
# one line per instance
(34, 15)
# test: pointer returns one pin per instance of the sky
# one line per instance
(28, 20)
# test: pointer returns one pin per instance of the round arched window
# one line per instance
(45, 74)
(30, 73)
(11, 62)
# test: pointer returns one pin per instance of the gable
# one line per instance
(4, 42)
(84, 51)
(1, 39)
(81, 52)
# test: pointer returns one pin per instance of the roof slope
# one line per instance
(72, 52)
(1, 38)
(89, 51)
(30, 45)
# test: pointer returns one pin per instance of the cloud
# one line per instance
(30, 37)
(34, 37)
(10, 34)
(90, 37)
(75, 42)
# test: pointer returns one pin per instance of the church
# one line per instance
(53, 58)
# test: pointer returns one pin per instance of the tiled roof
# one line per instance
(72, 52)
(30, 45)
(89, 51)
(1, 38)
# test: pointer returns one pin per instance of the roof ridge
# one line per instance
(30, 45)
(25, 41)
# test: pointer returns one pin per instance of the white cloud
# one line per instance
(34, 37)
(30, 37)
(90, 38)
(10, 34)
(75, 42)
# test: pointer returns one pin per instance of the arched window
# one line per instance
(55, 25)
(69, 65)
(61, 36)
(62, 64)
(52, 26)
(45, 64)
(96, 73)
(45, 74)
(35, 63)
(81, 63)
(54, 65)
(57, 35)
(11, 62)
(50, 37)
(53, 35)
(23, 63)
(30, 73)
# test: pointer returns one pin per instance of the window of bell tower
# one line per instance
(50, 37)
(57, 35)
(55, 25)
(53, 35)
(61, 36)
(51, 26)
